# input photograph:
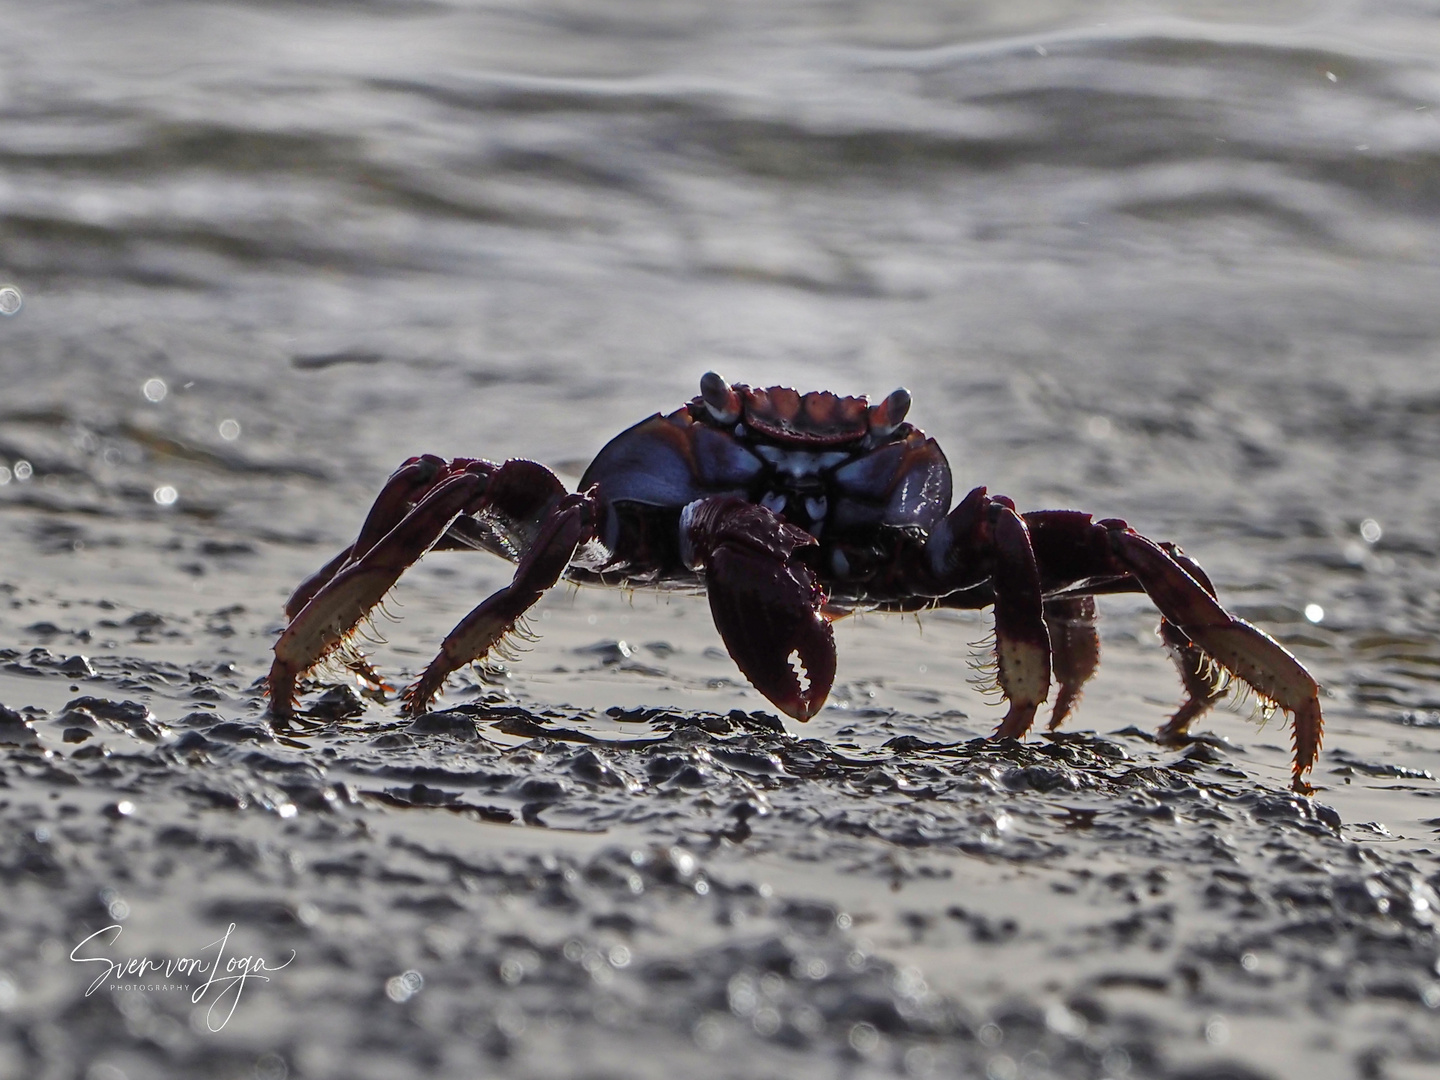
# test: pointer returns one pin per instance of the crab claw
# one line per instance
(768, 613)
(765, 601)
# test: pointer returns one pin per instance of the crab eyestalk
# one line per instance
(890, 413)
(720, 398)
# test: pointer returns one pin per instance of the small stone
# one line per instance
(15, 730)
(77, 667)
(448, 722)
(337, 703)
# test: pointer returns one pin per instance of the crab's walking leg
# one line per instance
(764, 599)
(1073, 548)
(327, 609)
(337, 608)
(569, 524)
(1076, 648)
(985, 531)
(407, 486)
(1237, 646)
(1205, 681)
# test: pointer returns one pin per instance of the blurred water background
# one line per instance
(1174, 262)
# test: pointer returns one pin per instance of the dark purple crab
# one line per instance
(789, 511)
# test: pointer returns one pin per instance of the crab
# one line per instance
(788, 511)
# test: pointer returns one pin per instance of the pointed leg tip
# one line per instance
(1017, 722)
(1309, 732)
(415, 701)
(1064, 707)
(280, 688)
(1172, 737)
(421, 694)
(1176, 730)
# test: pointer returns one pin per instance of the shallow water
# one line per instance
(1169, 262)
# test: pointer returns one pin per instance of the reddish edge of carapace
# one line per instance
(819, 418)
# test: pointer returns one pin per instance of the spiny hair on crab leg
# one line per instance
(333, 621)
(569, 523)
(476, 638)
(509, 647)
(985, 669)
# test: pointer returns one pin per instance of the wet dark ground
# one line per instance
(530, 890)
(1178, 267)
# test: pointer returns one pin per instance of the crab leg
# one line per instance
(1205, 681)
(1234, 644)
(327, 609)
(1076, 648)
(1071, 549)
(337, 608)
(569, 524)
(407, 486)
(986, 531)
(1075, 552)
(764, 599)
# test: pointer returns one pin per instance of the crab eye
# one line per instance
(890, 413)
(722, 401)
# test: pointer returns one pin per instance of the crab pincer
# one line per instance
(764, 599)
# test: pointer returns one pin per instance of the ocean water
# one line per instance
(1170, 262)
